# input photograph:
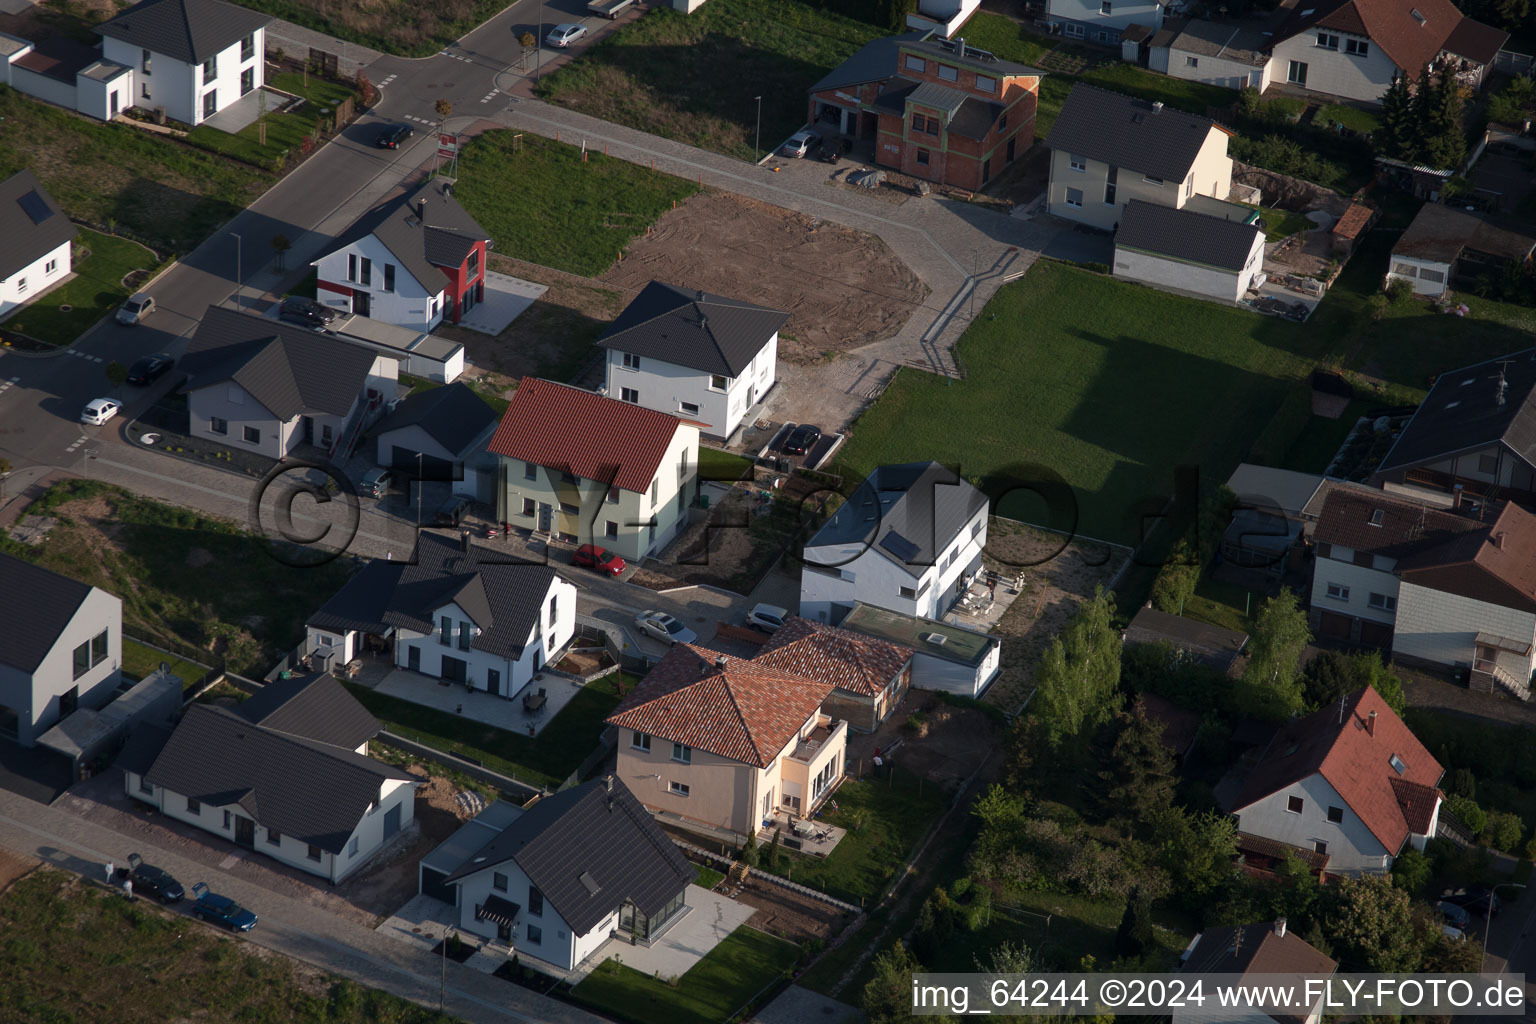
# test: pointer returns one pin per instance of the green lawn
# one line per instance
(100, 262)
(163, 191)
(1280, 223)
(708, 877)
(1006, 38)
(543, 203)
(544, 760)
(489, 393)
(715, 464)
(740, 967)
(285, 132)
(1223, 604)
(884, 823)
(694, 77)
(1350, 117)
(140, 660)
(76, 951)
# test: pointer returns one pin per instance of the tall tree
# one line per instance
(1280, 634)
(1423, 114)
(1142, 777)
(888, 996)
(1335, 674)
(1079, 673)
(1134, 937)
(1176, 581)
(1445, 140)
(1371, 920)
(1397, 136)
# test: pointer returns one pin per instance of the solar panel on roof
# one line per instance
(899, 546)
(34, 206)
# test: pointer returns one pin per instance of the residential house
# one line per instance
(416, 261)
(722, 743)
(285, 773)
(456, 611)
(1443, 247)
(624, 480)
(1349, 782)
(1446, 588)
(1108, 148)
(441, 434)
(935, 109)
(61, 649)
(1215, 53)
(37, 236)
(869, 674)
(428, 356)
(945, 657)
(704, 357)
(190, 58)
(1215, 647)
(268, 387)
(87, 736)
(570, 872)
(1256, 950)
(909, 539)
(1102, 21)
(1354, 48)
(1188, 252)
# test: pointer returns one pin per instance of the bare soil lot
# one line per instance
(842, 288)
(956, 742)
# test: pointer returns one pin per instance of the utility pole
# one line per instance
(238, 243)
(757, 140)
(442, 985)
(419, 457)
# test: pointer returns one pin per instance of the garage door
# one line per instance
(1376, 634)
(432, 884)
(1335, 625)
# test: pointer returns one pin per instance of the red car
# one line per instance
(591, 556)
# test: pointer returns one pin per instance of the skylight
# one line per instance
(32, 204)
(1376, 516)
(587, 880)
(1397, 764)
(1417, 16)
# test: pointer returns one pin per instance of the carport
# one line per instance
(454, 851)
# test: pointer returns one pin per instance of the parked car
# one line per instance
(135, 308)
(376, 482)
(391, 135)
(802, 439)
(308, 312)
(148, 369)
(450, 512)
(562, 36)
(1453, 914)
(590, 556)
(1453, 933)
(99, 411)
(767, 617)
(802, 143)
(149, 880)
(609, 9)
(665, 628)
(1477, 899)
(221, 910)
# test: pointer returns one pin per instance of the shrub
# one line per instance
(1468, 813)
(1411, 871)
(1399, 290)
(1504, 831)
(1463, 783)
(1378, 305)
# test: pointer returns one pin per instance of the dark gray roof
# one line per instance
(36, 605)
(939, 97)
(314, 707)
(312, 791)
(949, 52)
(452, 415)
(503, 599)
(1186, 236)
(144, 745)
(589, 831)
(1128, 132)
(1463, 413)
(692, 328)
(288, 368)
(893, 96)
(442, 237)
(907, 512)
(1213, 645)
(874, 62)
(30, 222)
(1228, 42)
(190, 31)
(975, 118)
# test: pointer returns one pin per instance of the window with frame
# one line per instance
(1295, 804)
(144, 61)
(1488, 464)
(677, 788)
(50, 266)
(1328, 40)
(251, 435)
(1109, 194)
(1336, 815)
(445, 631)
(949, 74)
(498, 881)
(21, 285)
(352, 848)
(1397, 764)
(1077, 163)
(918, 120)
(389, 277)
(916, 64)
(629, 395)
(986, 84)
(1191, 62)
(535, 902)
(1405, 270)
(1151, 180)
(1382, 602)
(641, 741)
(315, 853)
(567, 508)
(718, 381)
(682, 467)
(228, 820)
(145, 786)
(1075, 197)
(1318, 846)
(1433, 276)
(90, 654)
(922, 158)
(631, 361)
(1189, 186)
(610, 529)
(689, 408)
(248, 47)
(530, 471)
(466, 634)
(682, 753)
(472, 264)
(976, 528)
(1337, 592)
(365, 271)
(535, 934)
(1104, 8)
(1072, 29)
(554, 610)
(907, 592)
(210, 69)
(247, 80)
(193, 807)
(529, 506)
(1357, 47)
(217, 425)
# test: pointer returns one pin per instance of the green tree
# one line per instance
(1463, 783)
(1134, 937)
(1215, 516)
(1176, 581)
(1371, 921)
(1398, 135)
(1411, 871)
(1143, 766)
(888, 995)
(1198, 851)
(1280, 634)
(1443, 140)
(748, 855)
(1079, 673)
(1335, 674)
(1009, 958)
(1445, 955)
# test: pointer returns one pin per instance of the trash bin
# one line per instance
(703, 501)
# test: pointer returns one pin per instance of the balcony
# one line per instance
(813, 745)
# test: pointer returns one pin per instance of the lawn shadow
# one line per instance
(167, 217)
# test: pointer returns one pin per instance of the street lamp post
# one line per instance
(238, 243)
(757, 140)
(1491, 892)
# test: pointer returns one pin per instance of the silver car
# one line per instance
(801, 143)
(665, 628)
(562, 36)
(767, 617)
(137, 306)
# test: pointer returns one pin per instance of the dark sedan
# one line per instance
(308, 312)
(149, 369)
(149, 880)
(391, 136)
(802, 439)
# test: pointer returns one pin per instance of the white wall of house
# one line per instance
(1359, 582)
(231, 403)
(36, 698)
(685, 391)
(415, 304)
(1334, 72)
(1441, 628)
(44, 87)
(179, 88)
(1351, 847)
(930, 672)
(327, 639)
(30, 282)
(556, 944)
(1211, 282)
(1102, 21)
(1079, 194)
(94, 97)
(1428, 277)
(1222, 71)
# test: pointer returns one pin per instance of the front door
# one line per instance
(115, 100)
(1010, 149)
(210, 102)
(546, 516)
(493, 681)
(413, 658)
(454, 669)
(326, 435)
(360, 304)
(391, 822)
(627, 917)
(308, 425)
(245, 831)
(69, 701)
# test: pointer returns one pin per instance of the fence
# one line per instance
(1514, 63)
(506, 783)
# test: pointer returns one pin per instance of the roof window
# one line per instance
(1397, 764)
(1376, 516)
(1417, 16)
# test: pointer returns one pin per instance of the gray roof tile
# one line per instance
(190, 31)
(453, 415)
(693, 328)
(28, 239)
(1128, 132)
(1463, 412)
(875, 62)
(442, 237)
(314, 707)
(938, 97)
(36, 604)
(907, 512)
(1185, 235)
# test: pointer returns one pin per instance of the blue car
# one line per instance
(221, 910)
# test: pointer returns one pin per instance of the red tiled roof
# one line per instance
(1476, 41)
(724, 705)
(1408, 42)
(599, 438)
(1418, 803)
(1275, 850)
(1495, 563)
(1355, 758)
(1354, 220)
(850, 661)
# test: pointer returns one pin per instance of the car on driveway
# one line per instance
(221, 910)
(802, 439)
(308, 312)
(148, 369)
(376, 482)
(149, 880)
(1477, 899)
(1454, 915)
(590, 556)
(99, 411)
(450, 512)
(665, 628)
(392, 135)
(767, 617)
(562, 36)
(801, 143)
(135, 308)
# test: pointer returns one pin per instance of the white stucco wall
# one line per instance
(1335, 72)
(179, 87)
(860, 572)
(556, 946)
(1352, 848)
(94, 97)
(29, 282)
(35, 698)
(666, 387)
(1101, 28)
(1361, 582)
(1441, 627)
(1167, 272)
(1222, 71)
(1412, 270)
(411, 304)
(933, 673)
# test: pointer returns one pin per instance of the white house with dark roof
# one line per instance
(190, 58)
(35, 256)
(415, 262)
(1108, 148)
(692, 354)
(61, 648)
(285, 774)
(268, 386)
(438, 434)
(909, 539)
(1216, 53)
(1102, 21)
(456, 611)
(570, 872)
(945, 657)
(1184, 251)
(1443, 247)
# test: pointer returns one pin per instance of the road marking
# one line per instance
(489, 96)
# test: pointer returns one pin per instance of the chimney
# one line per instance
(1456, 496)
(608, 783)
(421, 208)
(1498, 540)
(464, 540)
(1370, 724)
(1157, 106)
(960, 46)
(720, 661)
(1279, 927)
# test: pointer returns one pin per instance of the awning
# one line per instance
(1503, 643)
(497, 911)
